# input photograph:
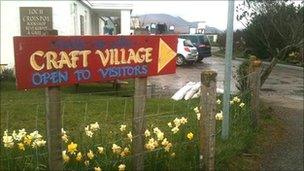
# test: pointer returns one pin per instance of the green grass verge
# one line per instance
(101, 103)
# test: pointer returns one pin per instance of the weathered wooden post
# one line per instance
(207, 121)
(54, 124)
(254, 84)
(138, 123)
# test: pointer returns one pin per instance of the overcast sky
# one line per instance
(213, 12)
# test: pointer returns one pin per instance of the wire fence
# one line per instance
(173, 146)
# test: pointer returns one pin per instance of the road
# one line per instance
(283, 82)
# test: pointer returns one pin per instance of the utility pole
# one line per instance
(227, 80)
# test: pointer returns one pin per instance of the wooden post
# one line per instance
(54, 124)
(254, 83)
(138, 123)
(207, 121)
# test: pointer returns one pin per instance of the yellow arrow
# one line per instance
(165, 55)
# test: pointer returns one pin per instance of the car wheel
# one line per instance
(180, 60)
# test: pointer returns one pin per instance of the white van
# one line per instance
(186, 52)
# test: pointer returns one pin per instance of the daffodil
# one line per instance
(21, 146)
(172, 155)
(242, 105)
(175, 130)
(169, 124)
(183, 120)
(27, 140)
(190, 135)
(125, 152)
(130, 136)
(218, 101)
(72, 148)
(196, 110)
(97, 169)
(65, 157)
(152, 144)
(147, 133)
(177, 122)
(88, 132)
(7, 140)
(219, 116)
(156, 130)
(100, 150)
(121, 167)
(160, 136)
(116, 149)
(90, 154)
(123, 128)
(94, 126)
(167, 147)
(20, 135)
(236, 99)
(36, 135)
(87, 162)
(38, 143)
(79, 156)
(64, 136)
(198, 116)
(165, 142)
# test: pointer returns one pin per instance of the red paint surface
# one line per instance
(25, 46)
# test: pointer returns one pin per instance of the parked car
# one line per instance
(186, 52)
(201, 42)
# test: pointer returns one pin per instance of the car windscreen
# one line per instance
(203, 39)
(188, 43)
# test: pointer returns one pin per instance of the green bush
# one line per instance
(7, 75)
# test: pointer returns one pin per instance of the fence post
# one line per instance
(207, 121)
(254, 83)
(54, 124)
(138, 123)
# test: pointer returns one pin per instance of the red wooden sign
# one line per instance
(67, 60)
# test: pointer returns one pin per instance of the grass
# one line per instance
(100, 103)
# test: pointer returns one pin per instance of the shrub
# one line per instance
(7, 75)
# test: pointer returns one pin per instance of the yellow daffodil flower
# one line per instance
(27, 140)
(72, 148)
(190, 135)
(21, 146)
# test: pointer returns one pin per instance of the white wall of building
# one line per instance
(125, 22)
(63, 21)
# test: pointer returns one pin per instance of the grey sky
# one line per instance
(213, 12)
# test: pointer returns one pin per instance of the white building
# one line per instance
(77, 17)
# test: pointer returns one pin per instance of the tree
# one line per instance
(273, 29)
